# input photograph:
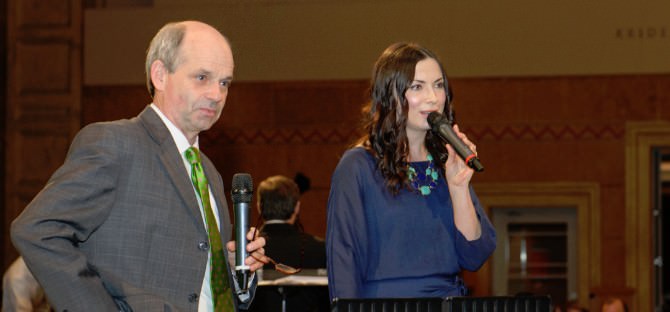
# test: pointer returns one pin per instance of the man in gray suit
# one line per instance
(120, 226)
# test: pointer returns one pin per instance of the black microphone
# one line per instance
(441, 125)
(242, 190)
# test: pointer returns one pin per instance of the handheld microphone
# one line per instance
(442, 127)
(242, 190)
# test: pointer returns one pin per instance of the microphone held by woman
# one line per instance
(442, 127)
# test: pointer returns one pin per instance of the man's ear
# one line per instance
(158, 74)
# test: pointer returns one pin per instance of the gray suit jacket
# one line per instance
(118, 226)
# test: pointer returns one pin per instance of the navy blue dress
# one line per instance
(404, 246)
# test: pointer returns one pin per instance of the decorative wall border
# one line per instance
(347, 136)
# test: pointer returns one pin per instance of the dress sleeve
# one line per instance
(473, 254)
(346, 229)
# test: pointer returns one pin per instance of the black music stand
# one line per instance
(450, 304)
(282, 293)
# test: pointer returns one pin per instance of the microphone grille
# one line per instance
(435, 119)
(242, 187)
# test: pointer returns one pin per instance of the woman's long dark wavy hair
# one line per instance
(385, 116)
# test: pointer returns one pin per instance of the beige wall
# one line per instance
(340, 39)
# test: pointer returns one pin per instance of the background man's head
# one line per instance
(614, 305)
(278, 198)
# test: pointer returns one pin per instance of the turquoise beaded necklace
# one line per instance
(423, 182)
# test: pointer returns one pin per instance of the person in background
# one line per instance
(304, 184)
(20, 291)
(403, 220)
(614, 305)
(574, 307)
(136, 217)
(278, 203)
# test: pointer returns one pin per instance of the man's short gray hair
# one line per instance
(164, 47)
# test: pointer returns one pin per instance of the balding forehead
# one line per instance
(200, 33)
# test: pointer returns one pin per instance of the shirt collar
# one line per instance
(178, 136)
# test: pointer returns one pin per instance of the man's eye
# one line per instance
(201, 77)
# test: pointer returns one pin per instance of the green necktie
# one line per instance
(221, 292)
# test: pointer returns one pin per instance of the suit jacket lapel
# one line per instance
(173, 162)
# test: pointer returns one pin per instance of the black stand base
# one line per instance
(450, 304)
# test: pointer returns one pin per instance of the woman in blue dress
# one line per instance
(403, 220)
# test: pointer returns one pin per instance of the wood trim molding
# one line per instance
(641, 137)
(584, 196)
